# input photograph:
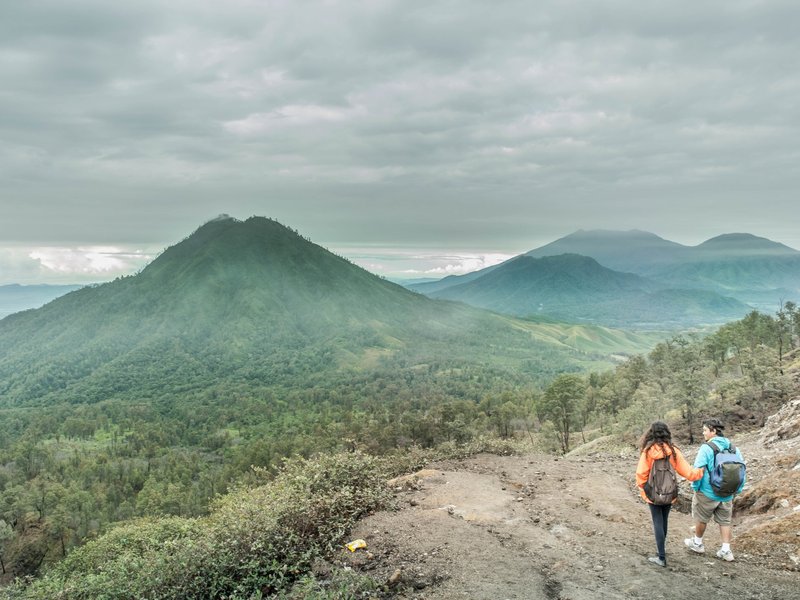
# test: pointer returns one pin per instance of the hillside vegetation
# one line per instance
(263, 540)
(242, 345)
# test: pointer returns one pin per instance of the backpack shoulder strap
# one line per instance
(715, 449)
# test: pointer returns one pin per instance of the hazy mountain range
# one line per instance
(634, 279)
(15, 297)
(254, 304)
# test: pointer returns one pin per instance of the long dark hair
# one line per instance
(658, 433)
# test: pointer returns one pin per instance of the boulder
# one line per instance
(783, 425)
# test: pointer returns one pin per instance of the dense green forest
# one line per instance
(71, 471)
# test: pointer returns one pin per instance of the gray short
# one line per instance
(703, 508)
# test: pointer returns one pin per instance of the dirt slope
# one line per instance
(540, 527)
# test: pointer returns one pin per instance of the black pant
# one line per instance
(660, 516)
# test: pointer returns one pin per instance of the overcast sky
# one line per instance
(415, 137)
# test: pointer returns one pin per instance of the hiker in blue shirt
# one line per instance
(706, 503)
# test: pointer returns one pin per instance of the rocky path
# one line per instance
(540, 527)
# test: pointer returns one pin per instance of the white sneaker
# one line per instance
(725, 555)
(699, 548)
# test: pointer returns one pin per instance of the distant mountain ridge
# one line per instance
(646, 253)
(708, 283)
(743, 244)
(619, 250)
(577, 288)
(565, 277)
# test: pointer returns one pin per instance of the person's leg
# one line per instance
(657, 514)
(725, 533)
(723, 516)
(702, 510)
(699, 529)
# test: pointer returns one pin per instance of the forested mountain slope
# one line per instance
(245, 302)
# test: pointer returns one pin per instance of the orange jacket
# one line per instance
(677, 459)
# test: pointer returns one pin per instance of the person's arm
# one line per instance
(701, 462)
(643, 470)
(684, 470)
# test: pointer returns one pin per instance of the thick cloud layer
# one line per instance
(488, 126)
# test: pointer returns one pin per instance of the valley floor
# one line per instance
(540, 527)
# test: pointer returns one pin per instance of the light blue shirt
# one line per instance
(705, 458)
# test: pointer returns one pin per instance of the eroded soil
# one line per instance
(573, 528)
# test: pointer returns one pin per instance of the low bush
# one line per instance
(255, 543)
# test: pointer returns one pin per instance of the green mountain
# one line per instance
(430, 287)
(577, 288)
(524, 284)
(250, 304)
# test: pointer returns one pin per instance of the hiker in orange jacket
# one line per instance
(657, 443)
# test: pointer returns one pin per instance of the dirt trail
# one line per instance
(540, 527)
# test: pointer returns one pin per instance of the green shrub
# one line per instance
(339, 585)
(255, 543)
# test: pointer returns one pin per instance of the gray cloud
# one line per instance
(441, 124)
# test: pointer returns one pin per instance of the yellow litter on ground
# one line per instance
(356, 544)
